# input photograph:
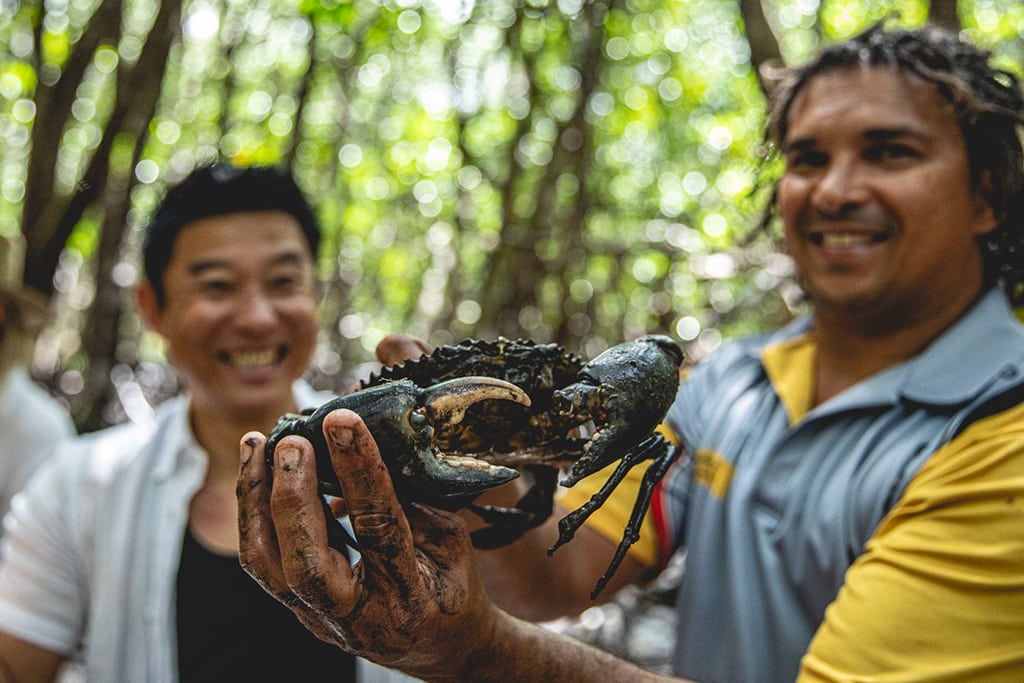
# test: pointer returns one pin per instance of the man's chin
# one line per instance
(843, 302)
(256, 392)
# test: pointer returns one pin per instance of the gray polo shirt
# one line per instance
(772, 512)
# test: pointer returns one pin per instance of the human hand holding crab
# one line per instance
(415, 600)
(416, 571)
(472, 416)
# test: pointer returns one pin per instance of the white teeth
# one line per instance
(845, 239)
(251, 360)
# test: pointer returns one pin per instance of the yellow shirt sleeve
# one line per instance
(938, 594)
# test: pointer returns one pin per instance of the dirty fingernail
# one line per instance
(248, 446)
(341, 437)
(287, 457)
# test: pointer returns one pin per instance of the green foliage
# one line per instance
(608, 151)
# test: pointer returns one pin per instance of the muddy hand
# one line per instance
(415, 599)
(259, 552)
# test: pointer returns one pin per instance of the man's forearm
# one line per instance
(520, 652)
(22, 662)
(527, 583)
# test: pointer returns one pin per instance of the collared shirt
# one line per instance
(779, 499)
(93, 543)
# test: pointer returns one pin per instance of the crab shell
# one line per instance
(502, 433)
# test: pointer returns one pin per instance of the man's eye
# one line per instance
(215, 286)
(891, 150)
(288, 280)
(284, 282)
(806, 159)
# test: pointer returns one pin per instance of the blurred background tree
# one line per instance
(579, 171)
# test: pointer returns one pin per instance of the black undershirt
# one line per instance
(230, 629)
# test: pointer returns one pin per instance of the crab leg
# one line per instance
(654, 448)
(509, 524)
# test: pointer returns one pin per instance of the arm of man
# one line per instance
(415, 601)
(23, 662)
(939, 592)
(42, 606)
(522, 579)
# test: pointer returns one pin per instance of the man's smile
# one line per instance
(842, 240)
(256, 359)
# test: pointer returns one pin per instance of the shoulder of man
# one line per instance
(102, 453)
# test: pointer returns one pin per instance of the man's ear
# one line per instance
(148, 305)
(985, 220)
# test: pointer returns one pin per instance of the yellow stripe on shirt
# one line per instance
(938, 594)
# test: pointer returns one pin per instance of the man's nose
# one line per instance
(256, 310)
(839, 188)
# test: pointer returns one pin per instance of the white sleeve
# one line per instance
(43, 588)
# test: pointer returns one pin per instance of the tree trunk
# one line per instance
(765, 55)
(572, 258)
(513, 263)
(43, 212)
(138, 90)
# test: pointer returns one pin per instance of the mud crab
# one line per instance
(471, 416)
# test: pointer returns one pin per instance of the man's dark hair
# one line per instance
(988, 106)
(216, 190)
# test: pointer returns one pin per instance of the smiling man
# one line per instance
(849, 488)
(123, 552)
(868, 153)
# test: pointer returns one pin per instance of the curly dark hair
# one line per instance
(215, 190)
(988, 105)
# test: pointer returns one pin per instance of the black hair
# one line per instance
(989, 108)
(215, 190)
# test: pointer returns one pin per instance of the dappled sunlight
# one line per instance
(579, 172)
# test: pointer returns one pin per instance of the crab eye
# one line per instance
(563, 404)
(417, 419)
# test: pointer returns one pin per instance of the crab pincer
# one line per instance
(403, 419)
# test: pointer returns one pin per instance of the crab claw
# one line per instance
(453, 476)
(627, 390)
(404, 420)
(449, 401)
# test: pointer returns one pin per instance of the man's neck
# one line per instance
(219, 434)
(213, 513)
(851, 351)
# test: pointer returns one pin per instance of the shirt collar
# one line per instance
(174, 439)
(950, 372)
(177, 442)
(789, 365)
(986, 343)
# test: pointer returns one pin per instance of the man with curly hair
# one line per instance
(849, 490)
